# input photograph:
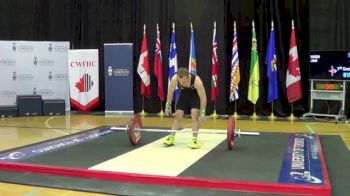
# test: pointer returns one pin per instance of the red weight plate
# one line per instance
(134, 130)
(230, 133)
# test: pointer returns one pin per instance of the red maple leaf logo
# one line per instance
(80, 84)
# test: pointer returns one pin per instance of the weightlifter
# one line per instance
(192, 98)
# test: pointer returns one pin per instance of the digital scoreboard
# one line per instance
(328, 86)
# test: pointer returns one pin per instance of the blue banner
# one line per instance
(301, 163)
(118, 69)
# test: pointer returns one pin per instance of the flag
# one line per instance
(173, 60)
(192, 65)
(214, 67)
(235, 74)
(253, 89)
(293, 78)
(143, 67)
(158, 67)
(271, 63)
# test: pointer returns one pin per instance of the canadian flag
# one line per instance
(143, 67)
(293, 78)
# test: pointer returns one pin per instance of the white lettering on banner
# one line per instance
(298, 154)
(83, 64)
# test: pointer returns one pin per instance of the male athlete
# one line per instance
(192, 98)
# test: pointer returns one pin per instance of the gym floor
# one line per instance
(21, 131)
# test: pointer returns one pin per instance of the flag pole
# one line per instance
(143, 106)
(272, 115)
(291, 114)
(254, 114)
(235, 115)
(214, 115)
(161, 113)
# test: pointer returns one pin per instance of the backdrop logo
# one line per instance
(34, 91)
(25, 77)
(50, 47)
(8, 93)
(110, 71)
(60, 48)
(43, 62)
(84, 84)
(22, 47)
(35, 60)
(46, 92)
(59, 76)
(14, 76)
(14, 47)
(7, 62)
(50, 75)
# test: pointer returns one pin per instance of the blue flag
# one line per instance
(271, 63)
(192, 67)
(173, 61)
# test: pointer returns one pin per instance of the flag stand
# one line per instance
(143, 113)
(214, 115)
(291, 114)
(161, 113)
(254, 114)
(272, 116)
(235, 115)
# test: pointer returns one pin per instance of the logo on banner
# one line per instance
(35, 60)
(58, 48)
(84, 84)
(302, 163)
(34, 91)
(46, 92)
(22, 47)
(14, 76)
(50, 47)
(8, 93)
(14, 47)
(121, 72)
(110, 71)
(117, 72)
(13, 156)
(7, 62)
(50, 75)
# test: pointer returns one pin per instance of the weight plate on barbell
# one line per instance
(134, 130)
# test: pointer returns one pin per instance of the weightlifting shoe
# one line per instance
(194, 144)
(169, 141)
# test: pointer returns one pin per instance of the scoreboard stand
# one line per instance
(329, 90)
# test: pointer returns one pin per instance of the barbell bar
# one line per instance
(134, 130)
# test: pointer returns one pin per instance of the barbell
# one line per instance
(134, 130)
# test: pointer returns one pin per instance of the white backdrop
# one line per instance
(33, 67)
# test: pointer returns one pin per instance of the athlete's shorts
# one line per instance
(188, 99)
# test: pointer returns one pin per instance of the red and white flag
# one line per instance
(158, 67)
(293, 77)
(83, 79)
(214, 67)
(143, 67)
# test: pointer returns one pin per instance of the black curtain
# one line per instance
(91, 23)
